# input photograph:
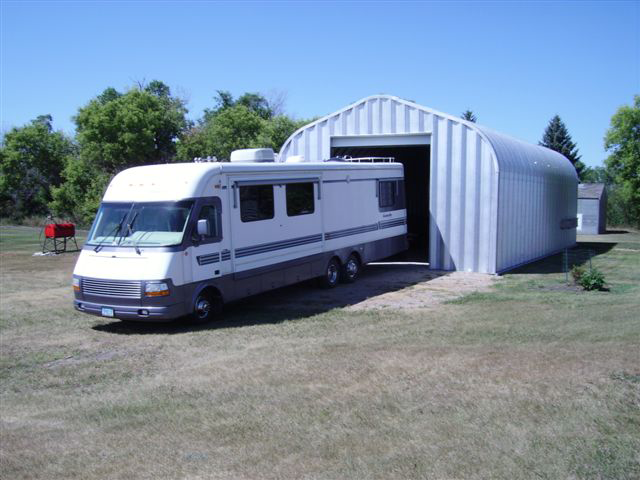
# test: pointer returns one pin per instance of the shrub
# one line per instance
(592, 280)
(577, 271)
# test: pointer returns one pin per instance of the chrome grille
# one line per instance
(111, 288)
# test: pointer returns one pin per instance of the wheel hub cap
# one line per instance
(202, 308)
(352, 268)
(332, 273)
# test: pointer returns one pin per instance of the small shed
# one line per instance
(477, 200)
(592, 208)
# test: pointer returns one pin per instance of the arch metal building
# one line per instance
(477, 200)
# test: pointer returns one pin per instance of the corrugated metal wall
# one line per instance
(590, 210)
(463, 198)
(495, 202)
(602, 214)
(538, 191)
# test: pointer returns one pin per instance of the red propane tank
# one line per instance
(59, 230)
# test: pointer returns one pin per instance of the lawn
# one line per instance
(530, 379)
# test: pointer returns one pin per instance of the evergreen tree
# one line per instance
(469, 116)
(556, 137)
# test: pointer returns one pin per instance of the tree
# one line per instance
(31, 159)
(255, 102)
(622, 140)
(237, 127)
(556, 137)
(277, 100)
(469, 115)
(277, 130)
(79, 195)
(116, 131)
(230, 129)
(596, 175)
(248, 122)
(193, 143)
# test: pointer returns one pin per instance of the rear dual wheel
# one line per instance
(335, 272)
(331, 274)
(350, 269)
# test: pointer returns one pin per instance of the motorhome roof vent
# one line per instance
(295, 159)
(253, 155)
(205, 159)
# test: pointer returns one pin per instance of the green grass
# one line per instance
(529, 380)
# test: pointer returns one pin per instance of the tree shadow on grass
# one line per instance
(294, 302)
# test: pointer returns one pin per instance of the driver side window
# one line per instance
(212, 214)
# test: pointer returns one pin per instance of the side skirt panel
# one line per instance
(251, 282)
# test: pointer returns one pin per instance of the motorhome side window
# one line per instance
(210, 212)
(387, 194)
(256, 203)
(299, 199)
(391, 195)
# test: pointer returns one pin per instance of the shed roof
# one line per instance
(511, 155)
(590, 190)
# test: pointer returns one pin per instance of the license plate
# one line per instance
(107, 312)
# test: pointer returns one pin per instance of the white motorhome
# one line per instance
(180, 239)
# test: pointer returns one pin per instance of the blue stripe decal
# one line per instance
(396, 222)
(350, 231)
(226, 255)
(270, 247)
(208, 259)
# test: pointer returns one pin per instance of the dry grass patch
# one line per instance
(515, 382)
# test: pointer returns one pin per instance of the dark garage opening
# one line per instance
(415, 159)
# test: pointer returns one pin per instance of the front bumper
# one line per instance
(131, 312)
(127, 301)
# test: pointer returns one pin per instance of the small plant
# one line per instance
(592, 280)
(577, 271)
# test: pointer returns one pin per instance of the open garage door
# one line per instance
(415, 159)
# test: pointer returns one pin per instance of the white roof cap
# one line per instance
(295, 159)
(253, 155)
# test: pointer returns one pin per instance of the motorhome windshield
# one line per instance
(158, 224)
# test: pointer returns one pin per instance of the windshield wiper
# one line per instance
(114, 232)
(129, 227)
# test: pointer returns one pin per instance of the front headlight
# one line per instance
(76, 284)
(156, 289)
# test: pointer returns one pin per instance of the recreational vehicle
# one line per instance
(182, 239)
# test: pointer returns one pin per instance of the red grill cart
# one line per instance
(56, 236)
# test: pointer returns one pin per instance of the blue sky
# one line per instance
(514, 64)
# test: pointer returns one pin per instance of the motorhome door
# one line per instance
(210, 255)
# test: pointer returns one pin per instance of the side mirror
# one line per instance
(203, 227)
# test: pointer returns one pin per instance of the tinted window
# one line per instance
(391, 195)
(140, 224)
(299, 199)
(387, 194)
(256, 203)
(210, 212)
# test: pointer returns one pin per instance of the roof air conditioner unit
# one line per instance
(253, 155)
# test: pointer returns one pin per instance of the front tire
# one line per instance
(351, 269)
(331, 274)
(206, 307)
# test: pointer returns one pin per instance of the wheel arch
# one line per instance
(356, 254)
(214, 291)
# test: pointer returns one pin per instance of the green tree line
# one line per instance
(621, 170)
(42, 170)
